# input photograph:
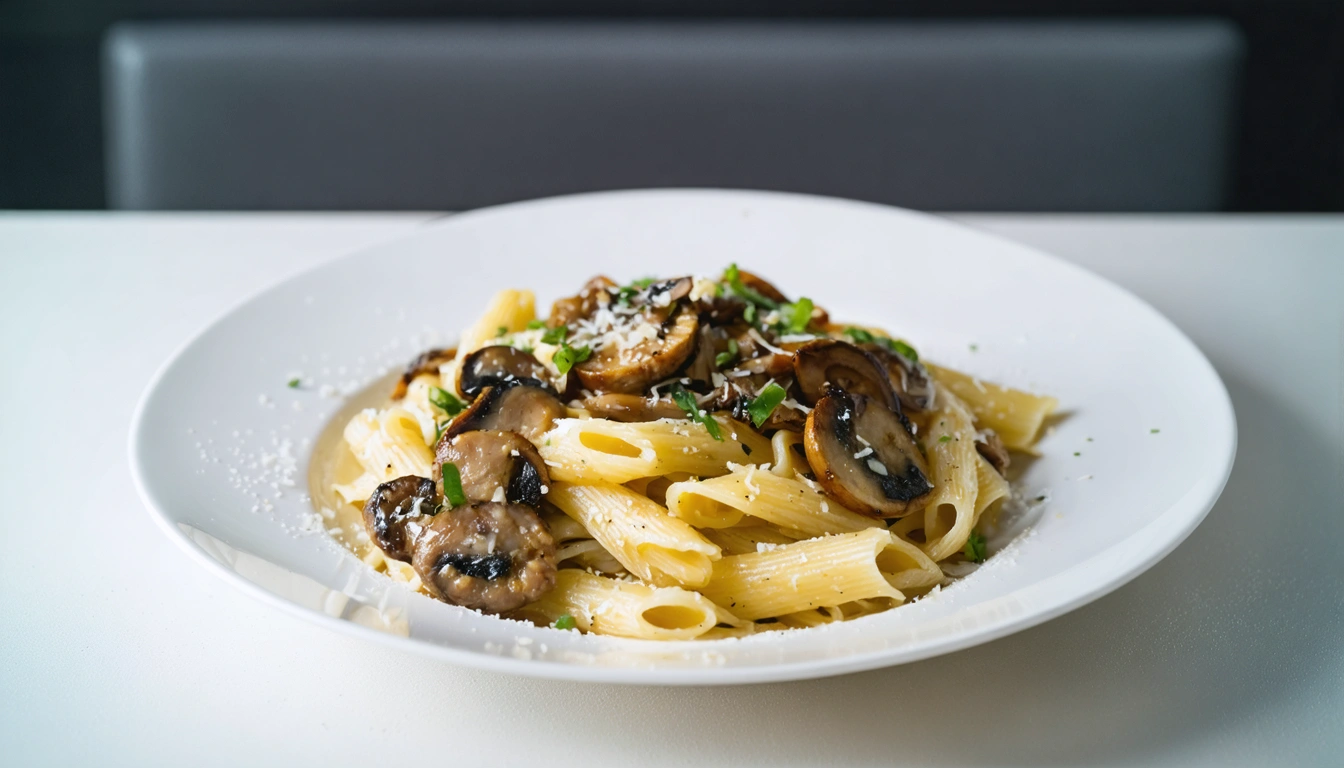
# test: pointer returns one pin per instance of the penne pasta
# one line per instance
(950, 512)
(579, 450)
(650, 543)
(627, 609)
(1016, 415)
(817, 573)
(789, 503)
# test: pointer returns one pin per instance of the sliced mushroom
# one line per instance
(910, 380)
(666, 292)
(595, 293)
(494, 466)
(501, 364)
(530, 411)
(863, 455)
(491, 556)
(762, 286)
(829, 363)
(428, 361)
(991, 446)
(700, 367)
(394, 510)
(634, 369)
(771, 364)
(632, 408)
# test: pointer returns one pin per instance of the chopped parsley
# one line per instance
(501, 330)
(445, 401)
(975, 347)
(945, 439)
(554, 335)
(643, 282)
(797, 315)
(536, 325)
(1154, 431)
(733, 278)
(724, 358)
(452, 485)
(860, 336)
(975, 549)
(567, 357)
(1077, 453)
(293, 383)
(686, 402)
(765, 403)
(565, 622)
(749, 314)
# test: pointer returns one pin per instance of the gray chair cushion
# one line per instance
(989, 116)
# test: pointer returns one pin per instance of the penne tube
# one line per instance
(580, 450)
(626, 609)
(787, 502)
(650, 543)
(950, 512)
(1016, 415)
(817, 573)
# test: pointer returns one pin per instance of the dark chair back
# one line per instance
(1015, 116)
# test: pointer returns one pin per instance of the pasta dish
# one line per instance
(677, 459)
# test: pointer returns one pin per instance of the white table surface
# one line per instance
(115, 648)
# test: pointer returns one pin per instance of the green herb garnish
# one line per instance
(501, 330)
(797, 315)
(749, 314)
(536, 325)
(724, 358)
(643, 282)
(565, 622)
(733, 278)
(452, 485)
(686, 402)
(975, 548)
(945, 439)
(975, 347)
(293, 383)
(445, 401)
(1154, 431)
(860, 336)
(765, 403)
(567, 357)
(554, 335)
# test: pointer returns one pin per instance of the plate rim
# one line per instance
(1173, 525)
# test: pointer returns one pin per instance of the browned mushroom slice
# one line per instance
(824, 362)
(490, 556)
(991, 446)
(396, 506)
(910, 380)
(596, 293)
(863, 456)
(494, 466)
(635, 368)
(761, 286)
(632, 408)
(770, 364)
(530, 411)
(426, 362)
(501, 364)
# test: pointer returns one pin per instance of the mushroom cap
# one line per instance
(428, 361)
(824, 364)
(494, 557)
(595, 293)
(508, 407)
(632, 408)
(392, 506)
(909, 380)
(863, 456)
(762, 286)
(488, 460)
(633, 369)
(991, 446)
(501, 364)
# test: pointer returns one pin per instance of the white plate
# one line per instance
(207, 440)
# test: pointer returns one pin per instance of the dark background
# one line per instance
(1290, 148)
